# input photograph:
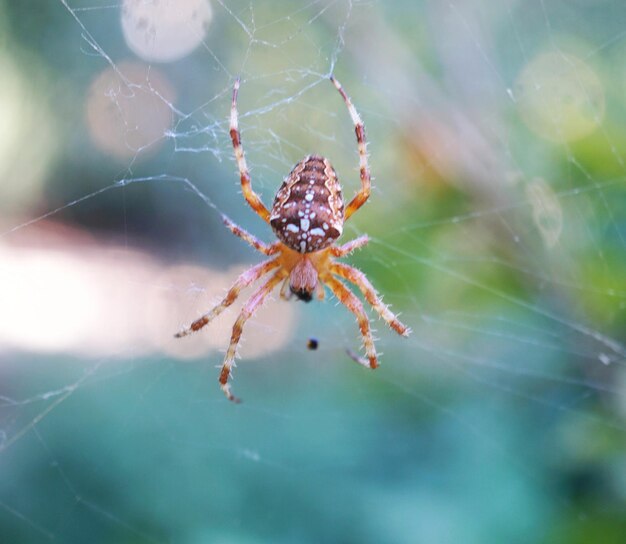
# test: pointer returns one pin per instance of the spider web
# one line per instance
(497, 231)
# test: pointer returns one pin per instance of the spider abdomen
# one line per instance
(307, 214)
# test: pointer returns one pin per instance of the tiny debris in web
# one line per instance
(312, 344)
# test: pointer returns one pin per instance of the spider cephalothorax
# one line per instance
(307, 218)
(303, 279)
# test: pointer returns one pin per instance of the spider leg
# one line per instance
(360, 280)
(285, 291)
(253, 303)
(361, 197)
(247, 237)
(251, 197)
(349, 247)
(321, 294)
(245, 279)
(350, 300)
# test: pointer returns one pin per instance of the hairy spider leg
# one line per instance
(350, 300)
(251, 197)
(253, 303)
(349, 247)
(251, 239)
(360, 280)
(285, 291)
(361, 197)
(319, 290)
(245, 279)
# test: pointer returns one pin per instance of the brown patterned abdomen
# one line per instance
(308, 209)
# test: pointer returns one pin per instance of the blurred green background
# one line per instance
(498, 225)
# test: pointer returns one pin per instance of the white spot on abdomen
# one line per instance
(304, 224)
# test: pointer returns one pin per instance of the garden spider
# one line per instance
(307, 217)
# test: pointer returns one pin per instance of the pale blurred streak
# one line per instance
(129, 110)
(65, 292)
(165, 30)
(28, 142)
(547, 212)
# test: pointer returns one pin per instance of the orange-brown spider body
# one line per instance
(307, 218)
(308, 209)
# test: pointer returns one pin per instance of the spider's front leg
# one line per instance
(248, 310)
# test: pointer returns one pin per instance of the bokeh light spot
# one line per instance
(165, 30)
(128, 110)
(560, 97)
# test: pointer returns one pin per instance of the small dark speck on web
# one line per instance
(312, 344)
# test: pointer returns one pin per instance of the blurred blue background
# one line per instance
(498, 227)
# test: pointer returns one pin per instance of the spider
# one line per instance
(307, 218)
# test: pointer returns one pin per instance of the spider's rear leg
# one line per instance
(357, 358)
(251, 306)
(360, 280)
(349, 299)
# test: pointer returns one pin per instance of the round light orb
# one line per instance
(129, 110)
(560, 97)
(165, 30)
